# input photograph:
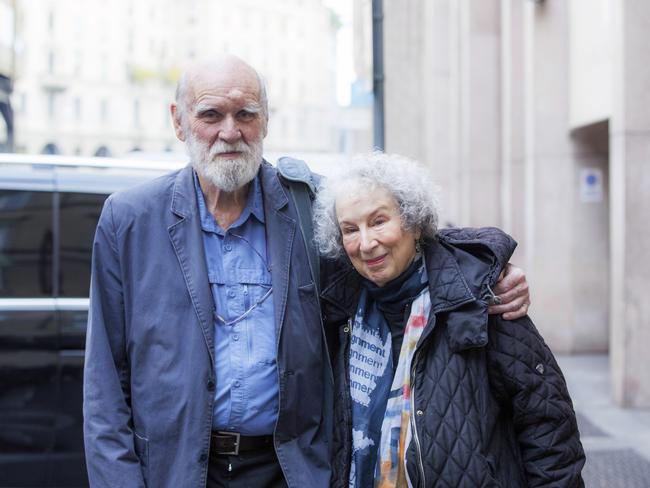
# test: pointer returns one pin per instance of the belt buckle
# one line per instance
(236, 435)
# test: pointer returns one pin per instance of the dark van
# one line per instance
(49, 207)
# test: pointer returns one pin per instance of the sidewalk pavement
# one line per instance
(616, 440)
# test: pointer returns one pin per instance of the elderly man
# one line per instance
(206, 362)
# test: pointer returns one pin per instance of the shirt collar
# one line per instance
(254, 206)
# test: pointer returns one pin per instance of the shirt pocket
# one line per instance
(261, 329)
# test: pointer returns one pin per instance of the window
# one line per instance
(25, 244)
(50, 148)
(104, 66)
(51, 109)
(78, 62)
(79, 213)
(103, 110)
(103, 152)
(136, 113)
(4, 134)
(77, 109)
(50, 62)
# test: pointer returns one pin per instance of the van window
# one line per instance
(25, 244)
(79, 213)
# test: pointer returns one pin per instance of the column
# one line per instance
(630, 191)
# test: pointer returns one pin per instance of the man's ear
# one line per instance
(176, 119)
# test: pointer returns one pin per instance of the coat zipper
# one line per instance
(347, 397)
(414, 426)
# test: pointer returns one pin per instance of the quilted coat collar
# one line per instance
(462, 265)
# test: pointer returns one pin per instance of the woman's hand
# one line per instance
(512, 297)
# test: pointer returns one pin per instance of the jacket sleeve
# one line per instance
(108, 427)
(528, 382)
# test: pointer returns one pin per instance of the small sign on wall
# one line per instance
(591, 185)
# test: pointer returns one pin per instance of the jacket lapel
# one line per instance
(187, 241)
(280, 231)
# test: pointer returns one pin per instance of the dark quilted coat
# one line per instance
(491, 405)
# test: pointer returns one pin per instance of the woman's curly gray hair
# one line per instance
(409, 182)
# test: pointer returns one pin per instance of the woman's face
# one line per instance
(373, 237)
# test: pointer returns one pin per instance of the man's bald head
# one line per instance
(221, 114)
(224, 70)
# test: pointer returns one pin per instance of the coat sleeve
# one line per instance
(528, 382)
(108, 427)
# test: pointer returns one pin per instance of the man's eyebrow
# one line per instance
(203, 107)
(253, 108)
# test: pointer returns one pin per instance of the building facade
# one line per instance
(535, 116)
(96, 78)
(7, 71)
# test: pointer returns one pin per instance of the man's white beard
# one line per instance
(226, 174)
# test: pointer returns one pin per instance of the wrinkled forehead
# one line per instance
(234, 82)
(361, 194)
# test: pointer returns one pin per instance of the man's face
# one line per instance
(224, 128)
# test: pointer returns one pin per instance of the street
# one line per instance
(616, 440)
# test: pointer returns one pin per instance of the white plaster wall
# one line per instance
(570, 270)
(481, 91)
(630, 190)
(590, 64)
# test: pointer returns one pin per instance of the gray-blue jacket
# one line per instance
(149, 373)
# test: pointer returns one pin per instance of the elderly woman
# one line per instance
(430, 390)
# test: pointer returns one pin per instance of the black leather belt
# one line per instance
(232, 443)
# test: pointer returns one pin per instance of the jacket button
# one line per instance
(419, 413)
(210, 385)
(203, 458)
(540, 368)
(346, 329)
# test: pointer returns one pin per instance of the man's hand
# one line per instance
(512, 298)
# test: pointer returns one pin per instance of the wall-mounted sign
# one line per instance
(591, 185)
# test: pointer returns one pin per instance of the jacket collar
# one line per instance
(280, 236)
(341, 292)
(183, 201)
(187, 241)
(463, 294)
(274, 195)
(448, 287)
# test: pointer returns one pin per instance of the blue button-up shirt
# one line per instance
(246, 395)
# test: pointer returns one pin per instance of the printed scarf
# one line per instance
(395, 431)
(378, 395)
